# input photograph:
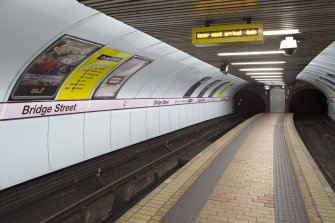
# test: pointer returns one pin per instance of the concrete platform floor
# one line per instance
(258, 172)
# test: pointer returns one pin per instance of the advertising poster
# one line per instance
(217, 88)
(190, 91)
(201, 94)
(47, 72)
(225, 89)
(84, 80)
(111, 85)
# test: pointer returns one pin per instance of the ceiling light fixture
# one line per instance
(272, 82)
(265, 76)
(281, 32)
(260, 69)
(251, 53)
(263, 73)
(269, 79)
(257, 63)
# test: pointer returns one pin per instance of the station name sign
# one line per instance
(213, 35)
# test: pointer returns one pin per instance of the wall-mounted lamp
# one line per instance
(224, 68)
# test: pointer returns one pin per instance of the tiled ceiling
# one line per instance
(171, 21)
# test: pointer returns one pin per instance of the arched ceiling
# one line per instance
(171, 21)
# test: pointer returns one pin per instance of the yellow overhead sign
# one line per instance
(213, 35)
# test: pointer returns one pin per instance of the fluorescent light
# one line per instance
(273, 83)
(281, 32)
(270, 82)
(263, 73)
(265, 76)
(256, 63)
(260, 69)
(269, 79)
(251, 53)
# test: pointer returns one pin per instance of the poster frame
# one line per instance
(47, 49)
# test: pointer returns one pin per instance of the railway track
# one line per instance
(143, 165)
(318, 134)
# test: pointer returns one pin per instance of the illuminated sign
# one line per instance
(214, 35)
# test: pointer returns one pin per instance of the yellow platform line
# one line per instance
(318, 195)
(156, 204)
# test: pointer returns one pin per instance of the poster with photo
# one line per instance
(202, 93)
(195, 86)
(47, 72)
(217, 88)
(111, 85)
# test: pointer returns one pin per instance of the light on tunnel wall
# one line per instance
(261, 69)
(246, 53)
(257, 63)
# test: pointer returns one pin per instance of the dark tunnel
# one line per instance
(248, 102)
(308, 102)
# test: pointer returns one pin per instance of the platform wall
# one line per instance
(36, 146)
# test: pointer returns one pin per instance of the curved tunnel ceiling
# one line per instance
(321, 71)
(170, 74)
(171, 22)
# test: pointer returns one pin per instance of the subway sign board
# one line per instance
(213, 35)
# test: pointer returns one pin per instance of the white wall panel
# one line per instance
(196, 108)
(164, 120)
(152, 122)
(22, 22)
(217, 109)
(181, 81)
(202, 112)
(183, 116)
(134, 42)
(120, 129)
(224, 107)
(23, 150)
(174, 117)
(138, 125)
(161, 68)
(100, 28)
(97, 136)
(169, 80)
(230, 107)
(66, 143)
(169, 88)
(209, 111)
(190, 114)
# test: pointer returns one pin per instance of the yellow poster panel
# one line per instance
(225, 89)
(82, 82)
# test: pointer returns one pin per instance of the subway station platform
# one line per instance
(258, 172)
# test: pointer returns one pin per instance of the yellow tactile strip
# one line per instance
(245, 192)
(319, 193)
(159, 201)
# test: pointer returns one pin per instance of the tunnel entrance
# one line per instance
(248, 102)
(309, 103)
